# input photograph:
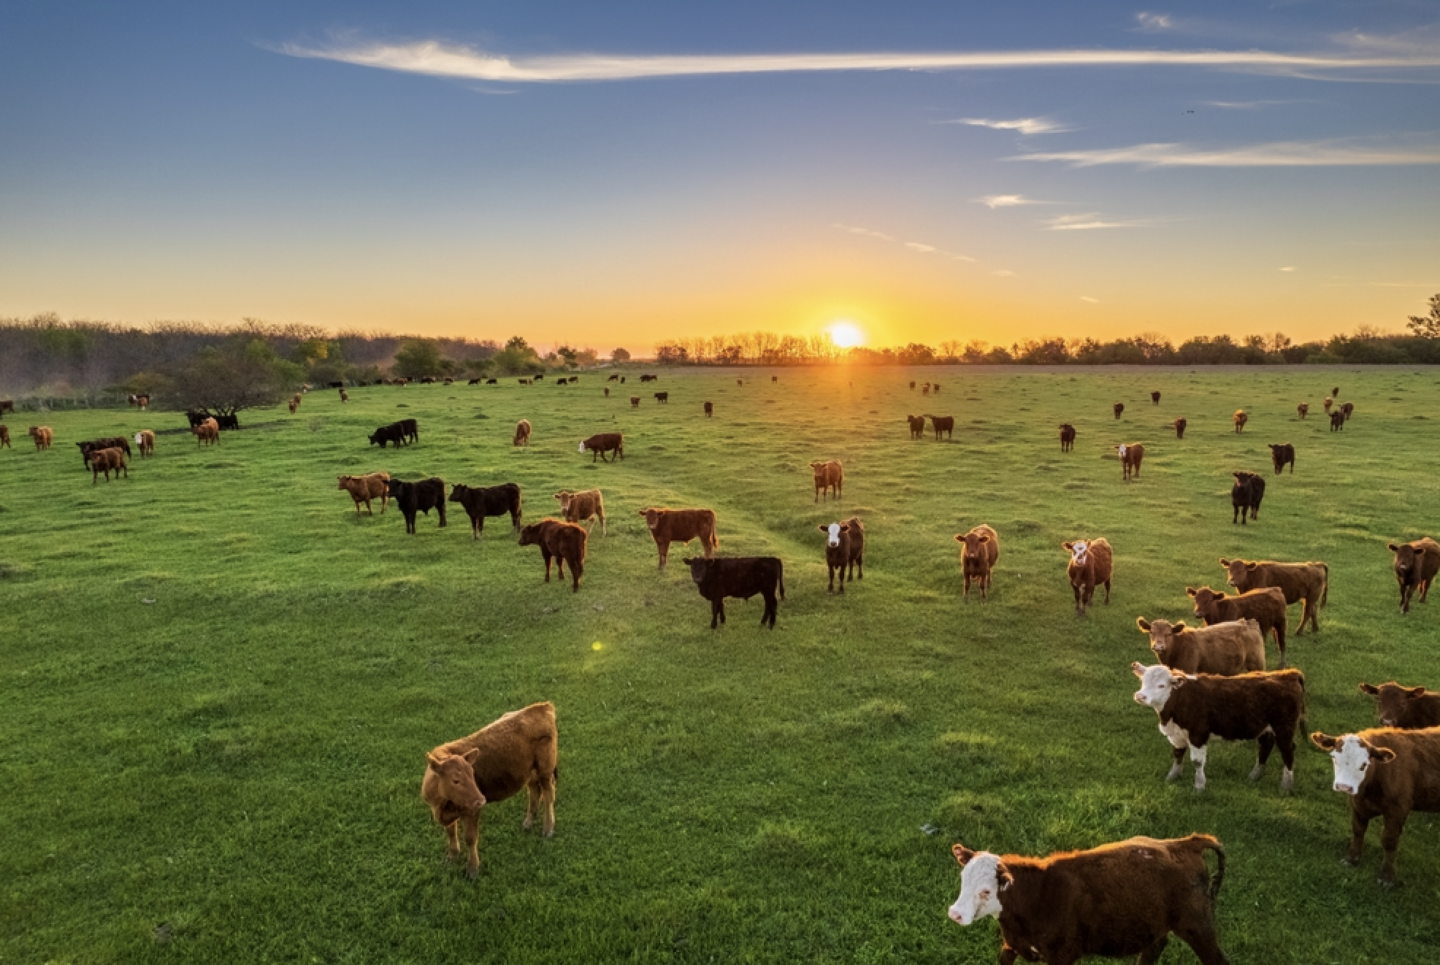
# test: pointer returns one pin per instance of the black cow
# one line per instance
(740, 576)
(228, 421)
(492, 381)
(1246, 494)
(418, 497)
(411, 428)
(473, 382)
(1337, 421)
(394, 432)
(662, 396)
(196, 417)
(614, 378)
(336, 385)
(482, 501)
(1281, 454)
(114, 442)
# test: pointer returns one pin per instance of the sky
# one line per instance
(612, 175)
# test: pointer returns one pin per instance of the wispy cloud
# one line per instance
(1025, 125)
(1251, 105)
(1276, 154)
(1087, 298)
(852, 229)
(1289, 268)
(1088, 222)
(993, 201)
(917, 246)
(1154, 22)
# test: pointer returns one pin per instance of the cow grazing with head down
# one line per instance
(1303, 409)
(362, 489)
(1120, 899)
(394, 432)
(1091, 565)
(1265, 606)
(1386, 773)
(1416, 564)
(1245, 496)
(1225, 649)
(980, 550)
(739, 576)
(584, 505)
(104, 460)
(520, 750)
(482, 501)
(1119, 408)
(420, 496)
(1337, 421)
(1268, 708)
(943, 423)
(603, 442)
(681, 526)
(1067, 437)
(1409, 708)
(522, 433)
(1179, 427)
(1309, 582)
(844, 550)
(561, 541)
(1280, 455)
(917, 426)
(829, 478)
(1131, 456)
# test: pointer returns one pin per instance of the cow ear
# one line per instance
(1381, 755)
(1179, 626)
(1370, 689)
(472, 755)
(1419, 551)
(1392, 547)
(1415, 692)
(1251, 567)
(984, 539)
(959, 537)
(845, 528)
(1137, 668)
(433, 760)
(962, 854)
(1190, 591)
(1002, 875)
(1177, 680)
(1224, 561)
(823, 528)
(1143, 624)
(1067, 546)
(1323, 741)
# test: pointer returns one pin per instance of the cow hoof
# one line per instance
(1386, 882)
(1349, 860)
(472, 873)
(1257, 772)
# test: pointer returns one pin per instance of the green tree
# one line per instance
(242, 374)
(517, 358)
(1426, 326)
(619, 355)
(418, 358)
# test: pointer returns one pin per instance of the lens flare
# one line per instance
(846, 334)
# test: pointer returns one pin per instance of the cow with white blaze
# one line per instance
(1089, 566)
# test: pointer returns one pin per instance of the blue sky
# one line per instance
(601, 172)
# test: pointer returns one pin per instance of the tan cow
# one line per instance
(43, 436)
(681, 526)
(584, 505)
(1240, 418)
(362, 489)
(829, 478)
(5, 437)
(104, 460)
(522, 433)
(1303, 408)
(1224, 648)
(207, 432)
(1309, 582)
(980, 550)
(145, 440)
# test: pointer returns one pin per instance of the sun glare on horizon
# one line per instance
(846, 334)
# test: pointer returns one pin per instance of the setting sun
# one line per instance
(846, 334)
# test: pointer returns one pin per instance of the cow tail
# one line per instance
(782, 581)
(1303, 727)
(1218, 878)
(1325, 591)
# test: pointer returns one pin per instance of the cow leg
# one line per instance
(1203, 943)
(1424, 590)
(1079, 609)
(546, 554)
(966, 595)
(452, 837)
(830, 587)
(1152, 954)
(1107, 592)
(860, 562)
(536, 796)
(771, 608)
(1286, 743)
(1198, 755)
(717, 613)
(1279, 631)
(1405, 590)
(664, 547)
(1390, 843)
(577, 570)
(1178, 744)
(441, 507)
(472, 843)
(1264, 744)
(1359, 824)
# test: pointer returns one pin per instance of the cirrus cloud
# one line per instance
(1332, 153)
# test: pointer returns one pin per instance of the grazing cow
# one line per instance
(977, 557)
(1387, 773)
(1416, 564)
(584, 505)
(523, 381)
(145, 440)
(563, 542)
(1347, 410)
(562, 381)
(1298, 581)
(1266, 707)
(601, 443)
(943, 423)
(1091, 564)
(1245, 496)
(1180, 428)
(43, 436)
(634, 401)
(1328, 403)
(1119, 409)
(648, 378)
(5, 437)
(104, 460)
(522, 433)
(917, 425)
(521, 749)
(1120, 899)
(1067, 437)
(912, 386)
(739, 576)
(844, 549)
(1409, 708)
(410, 428)
(1240, 419)
(614, 378)
(362, 489)
(1280, 454)
(1225, 649)
(681, 526)
(492, 381)
(662, 397)
(1337, 421)
(1155, 397)
(925, 389)
(344, 396)
(709, 409)
(1131, 456)
(829, 478)
(7, 405)
(1265, 606)
(420, 496)
(482, 501)
(207, 432)
(391, 433)
(1303, 408)
(774, 379)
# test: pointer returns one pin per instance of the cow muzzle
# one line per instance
(1140, 698)
(1344, 788)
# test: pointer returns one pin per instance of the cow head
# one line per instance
(833, 530)
(1079, 551)
(1239, 573)
(652, 516)
(138, 439)
(1122, 450)
(457, 494)
(1162, 633)
(982, 884)
(974, 544)
(1205, 599)
(1390, 700)
(530, 534)
(565, 496)
(1351, 755)
(392, 487)
(342, 480)
(455, 775)
(1408, 558)
(699, 569)
(582, 446)
(1157, 683)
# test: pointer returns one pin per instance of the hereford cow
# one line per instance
(1119, 899)
(1347, 410)
(521, 749)
(1090, 565)
(1225, 649)
(1416, 564)
(362, 489)
(1303, 408)
(709, 409)
(603, 442)
(739, 576)
(977, 557)
(1387, 773)
(394, 432)
(482, 501)
(1298, 581)
(1337, 421)
(561, 541)
(917, 425)
(43, 436)
(420, 496)
(522, 433)
(104, 460)
(1409, 708)
(1265, 606)
(829, 478)
(1267, 708)
(1245, 496)
(1119, 409)
(1067, 437)
(1130, 458)
(662, 397)
(844, 550)
(5, 437)
(207, 432)
(1179, 428)
(634, 401)
(584, 505)
(943, 423)
(681, 526)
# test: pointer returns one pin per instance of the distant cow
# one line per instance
(614, 377)
(110, 442)
(829, 478)
(1303, 408)
(420, 496)
(1119, 409)
(43, 436)
(943, 423)
(844, 550)
(1155, 397)
(662, 397)
(410, 428)
(482, 501)
(681, 526)
(601, 443)
(344, 396)
(584, 505)
(935, 388)
(1245, 496)
(917, 425)
(231, 421)
(1067, 437)
(607, 391)
(1337, 421)
(207, 432)
(1225, 649)
(1091, 564)
(634, 401)
(1280, 454)
(341, 385)
(561, 541)
(1416, 564)
(104, 460)
(1120, 899)
(362, 489)
(1335, 390)
(1240, 418)
(1267, 708)
(1347, 410)
(979, 550)
(774, 379)
(1265, 606)
(394, 432)
(7, 405)
(648, 378)
(293, 406)
(196, 416)
(1131, 456)
(1298, 581)
(709, 409)
(912, 386)
(1180, 428)
(522, 433)
(1328, 403)
(145, 441)
(925, 389)
(520, 750)
(1386, 773)
(1409, 708)
(5, 437)
(492, 381)
(475, 381)
(740, 576)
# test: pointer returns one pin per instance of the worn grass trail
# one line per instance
(217, 683)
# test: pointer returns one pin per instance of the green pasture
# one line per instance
(217, 684)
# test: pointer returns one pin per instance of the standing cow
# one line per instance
(1180, 427)
(844, 549)
(1131, 456)
(1240, 418)
(1416, 564)
(561, 541)
(829, 478)
(603, 442)
(681, 526)
(1090, 565)
(979, 551)
(1067, 437)
(1309, 582)
(420, 496)
(482, 501)
(1281, 454)
(1245, 496)
(522, 433)
(740, 576)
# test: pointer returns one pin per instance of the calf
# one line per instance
(601, 443)
(844, 549)
(1245, 496)
(829, 478)
(943, 423)
(5, 437)
(1387, 773)
(521, 749)
(522, 433)
(362, 489)
(1329, 401)
(739, 576)
(1267, 708)
(1155, 397)
(1067, 437)
(1303, 408)
(1240, 419)
(1225, 649)
(482, 501)
(1180, 428)
(586, 504)
(104, 460)
(394, 432)
(420, 496)
(1416, 564)
(1130, 458)
(662, 397)
(1265, 606)
(1090, 565)
(563, 542)
(1409, 708)
(1280, 454)
(1298, 581)
(1119, 409)
(344, 396)
(1347, 410)
(917, 425)
(681, 526)
(634, 401)
(1337, 421)
(1120, 899)
(207, 432)
(977, 557)
(43, 436)
(709, 409)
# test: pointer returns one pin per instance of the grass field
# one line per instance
(217, 684)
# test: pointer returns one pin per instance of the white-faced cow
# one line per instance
(1090, 566)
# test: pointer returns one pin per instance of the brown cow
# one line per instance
(943, 423)
(634, 401)
(521, 749)
(207, 431)
(522, 433)
(362, 489)
(607, 391)
(1303, 408)
(917, 426)
(293, 406)
(1179, 427)
(1265, 606)
(1245, 496)
(1337, 421)
(681, 526)
(7, 405)
(1120, 899)
(1119, 409)
(145, 440)
(584, 505)
(1387, 773)
(5, 437)
(1347, 410)
(977, 557)
(709, 409)
(43, 436)
(925, 389)
(344, 396)
(1155, 397)
(1090, 565)
(1409, 708)
(1328, 403)
(104, 460)
(603, 442)
(1416, 564)
(829, 478)
(1240, 419)
(844, 550)
(1130, 458)
(1298, 581)
(1224, 649)
(1280, 454)
(561, 541)
(1067, 437)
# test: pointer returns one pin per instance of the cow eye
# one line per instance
(985, 895)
